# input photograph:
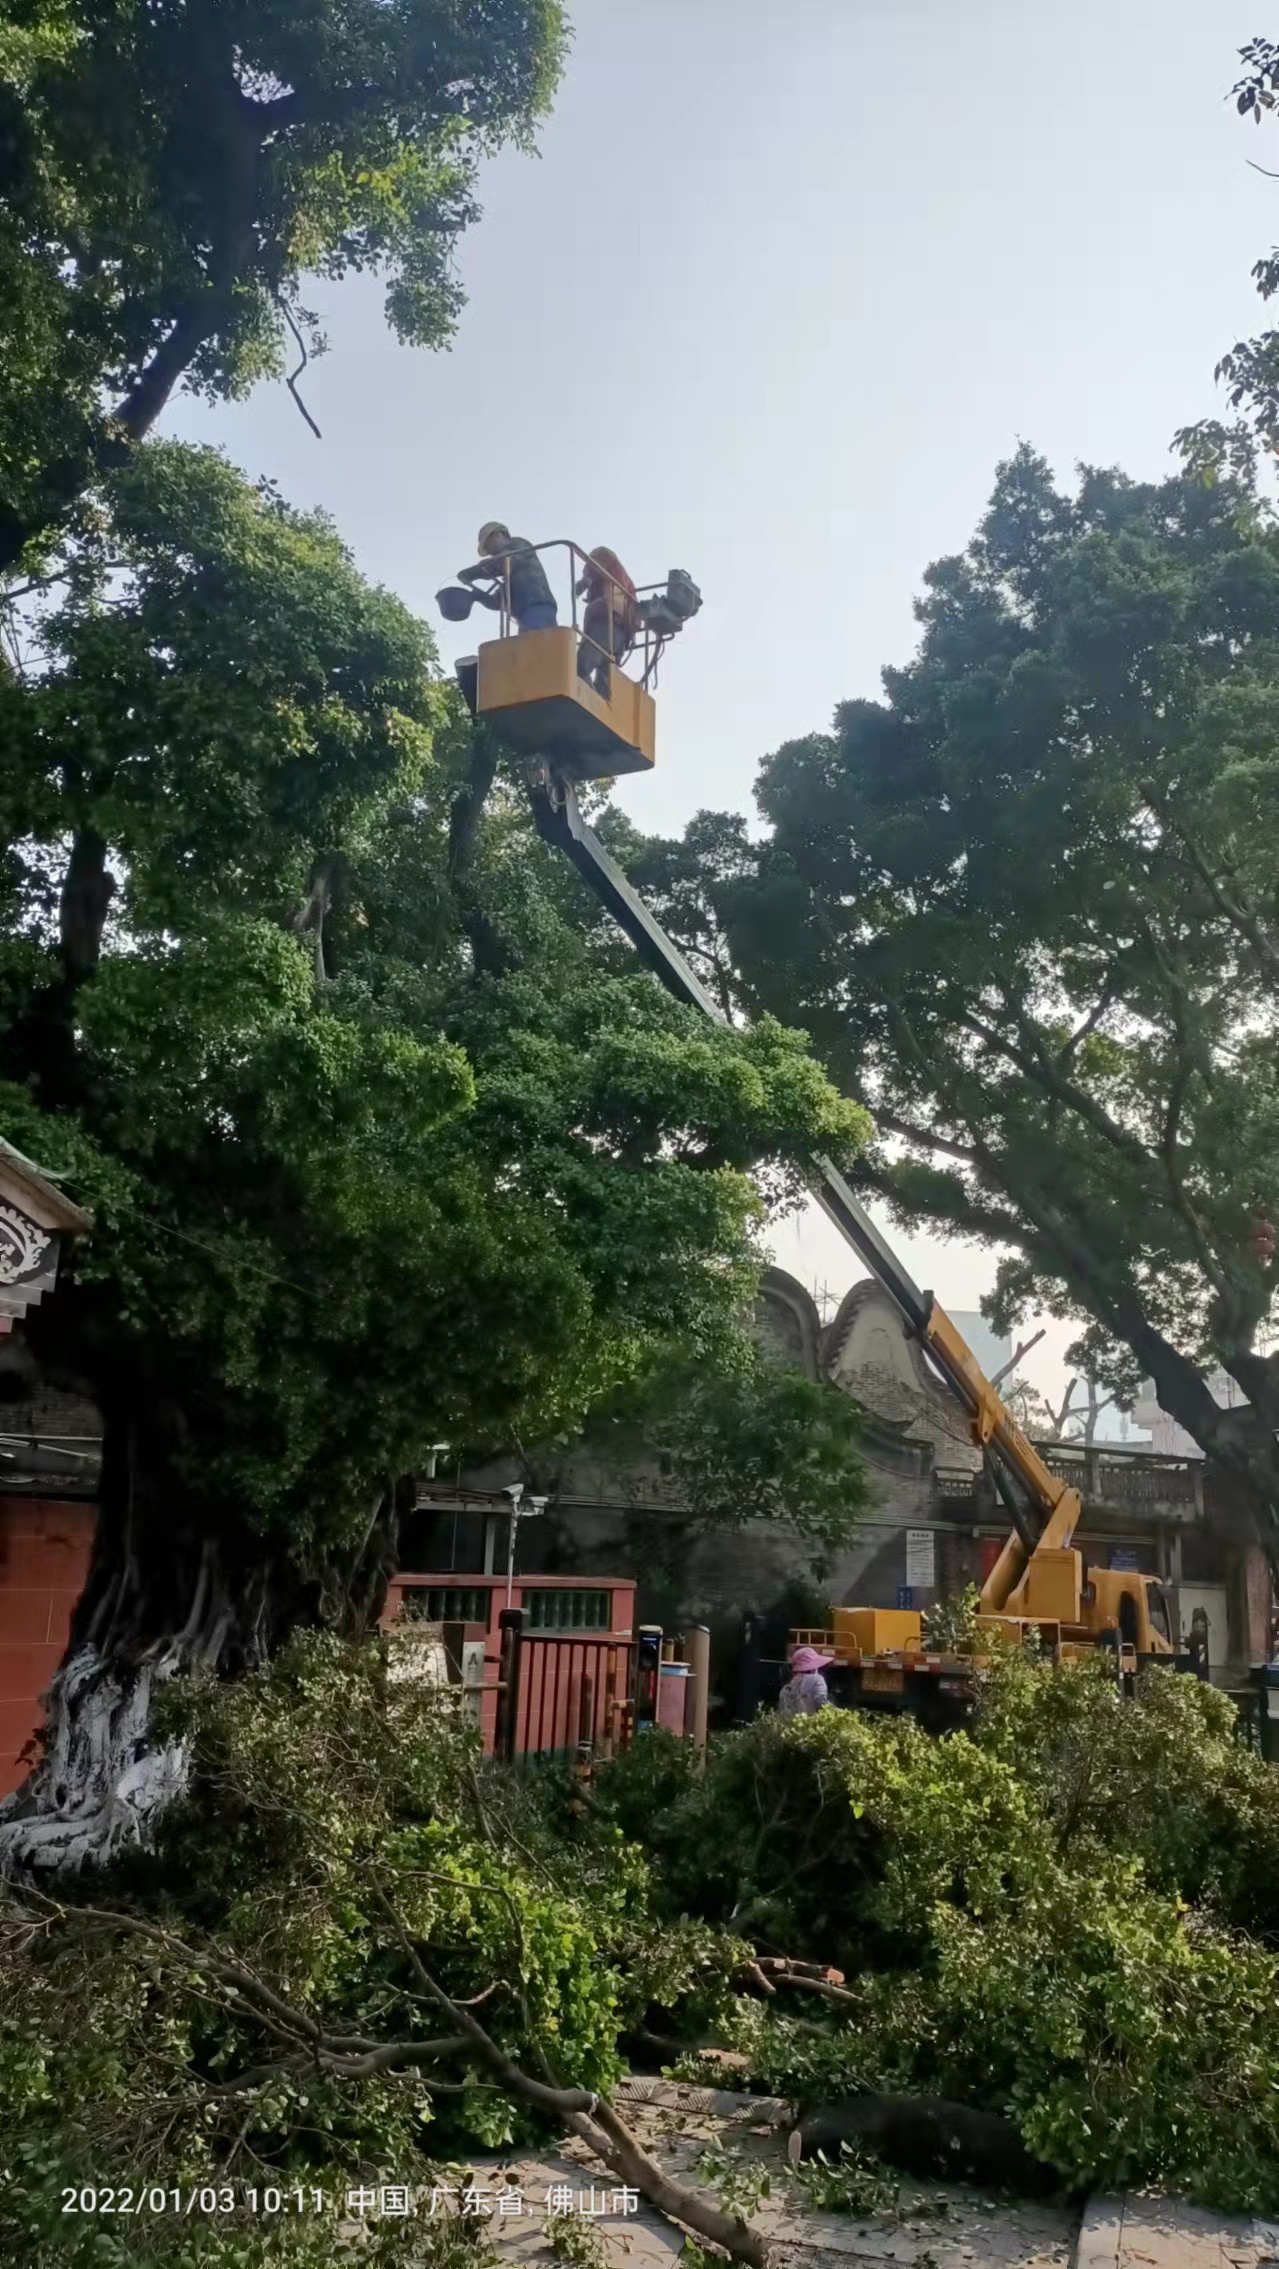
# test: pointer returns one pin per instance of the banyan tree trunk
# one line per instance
(171, 1592)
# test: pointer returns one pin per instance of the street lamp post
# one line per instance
(515, 1491)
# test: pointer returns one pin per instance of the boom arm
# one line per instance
(1044, 1510)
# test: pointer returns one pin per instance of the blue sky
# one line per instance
(782, 287)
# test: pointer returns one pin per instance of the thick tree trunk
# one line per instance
(169, 1595)
(87, 891)
(39, 1048)
(1243, 1441)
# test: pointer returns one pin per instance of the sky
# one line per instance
(782, 287)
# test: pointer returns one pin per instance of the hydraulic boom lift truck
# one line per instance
(526, 686)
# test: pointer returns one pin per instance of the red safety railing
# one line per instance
(647, 643)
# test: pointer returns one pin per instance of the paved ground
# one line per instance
(1160, 2233)
(937, 2226)
(940, 2226)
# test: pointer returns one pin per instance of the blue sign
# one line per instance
(1124, 1560)
(905, 1596)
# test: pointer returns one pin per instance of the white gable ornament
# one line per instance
(23, 1244)
(35, 1217)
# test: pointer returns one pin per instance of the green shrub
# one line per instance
(1039, 1915)
(1162, 1777)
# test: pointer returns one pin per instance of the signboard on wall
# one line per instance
(921, 1559)
(472, 1677)
(1212, 1599)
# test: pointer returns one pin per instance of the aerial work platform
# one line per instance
(576, 695)
(529, 690)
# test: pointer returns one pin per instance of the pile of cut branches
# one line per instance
(356, 1955)
(1066, 1915)
(360, 1952)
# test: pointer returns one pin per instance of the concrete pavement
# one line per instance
(938, 2225)
(1165, 2233)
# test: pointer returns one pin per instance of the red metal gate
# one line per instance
(563, 1696)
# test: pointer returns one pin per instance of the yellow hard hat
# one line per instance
(489, 533)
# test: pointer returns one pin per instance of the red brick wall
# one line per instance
(44, 1559)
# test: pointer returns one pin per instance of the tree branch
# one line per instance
(767, 1971)
(592, 2118)
(925, 1136)
(1170, 1159)
(1090, 1022)
(1038, 1065)
(469, 802)
(134, 415)
(1096, 1405)
(1006, 1370)
(1180, 1010)
(1066, 1408)
(980, 1218)
(292, 377)
(1241, 917)
(392, 2056)
(385, 2056)
(233, 131)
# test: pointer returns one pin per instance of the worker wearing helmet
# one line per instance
(511, 566)
(610, 617)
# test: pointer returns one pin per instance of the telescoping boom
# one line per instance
(1044, 1510)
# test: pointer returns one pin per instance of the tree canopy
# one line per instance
(1249, 370)
(357, 1190)
(172, 171)
(1026, 907)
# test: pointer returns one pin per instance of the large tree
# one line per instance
(1249, 371)
(1027, 906)
(381, 1151)
(172, 172)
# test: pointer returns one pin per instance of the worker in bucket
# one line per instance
(805, 1689)
(610, 619)
(532, 601)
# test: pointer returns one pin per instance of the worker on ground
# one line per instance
(610, 620)
(805, 1689)
(532, 601)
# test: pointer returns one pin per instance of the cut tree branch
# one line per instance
(593, 2119)
(1006, 1370)
(766, 1972)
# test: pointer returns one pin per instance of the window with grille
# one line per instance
(447, 1603)
(568, 1610)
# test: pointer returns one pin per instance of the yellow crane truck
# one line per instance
(1040, 1583)
(571, 725)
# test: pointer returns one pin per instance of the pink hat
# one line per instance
(806, 1659)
